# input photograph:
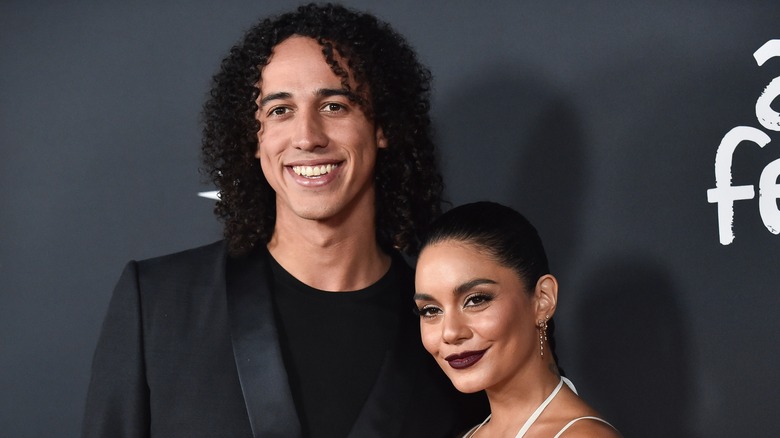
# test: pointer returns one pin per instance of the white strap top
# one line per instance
(530, 421)
(557, 435)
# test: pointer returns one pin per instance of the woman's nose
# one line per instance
(455, 328)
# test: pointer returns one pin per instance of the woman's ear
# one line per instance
(546, 297)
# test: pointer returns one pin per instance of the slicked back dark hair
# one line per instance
(499, 231)
(503, 234)
(393, 89)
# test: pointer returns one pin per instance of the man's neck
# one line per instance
(339, 258)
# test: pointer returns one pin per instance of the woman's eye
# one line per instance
(476, 300)
(428, 311)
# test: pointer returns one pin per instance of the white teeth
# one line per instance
(310, 171)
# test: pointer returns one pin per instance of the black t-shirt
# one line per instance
(334, 344)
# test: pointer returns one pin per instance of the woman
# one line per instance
(486, 298)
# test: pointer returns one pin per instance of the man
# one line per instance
(299, 323)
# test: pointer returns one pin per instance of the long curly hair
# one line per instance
(393, 89)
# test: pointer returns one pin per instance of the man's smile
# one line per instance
(314, 171)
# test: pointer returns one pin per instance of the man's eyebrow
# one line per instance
(328, 92)
(460, 290)
(321, 92)
(274, 96)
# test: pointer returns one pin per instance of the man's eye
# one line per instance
(278, 111)
(332, 107)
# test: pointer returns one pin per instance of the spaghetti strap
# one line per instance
(530, 420)
(474, 429)
(582, 418)
(538, 411)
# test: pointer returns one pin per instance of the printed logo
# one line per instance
(724, 194)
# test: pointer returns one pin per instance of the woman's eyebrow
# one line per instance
(460, 290)
(422, 297)
(471, 284)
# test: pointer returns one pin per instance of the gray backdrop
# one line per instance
(600, 121)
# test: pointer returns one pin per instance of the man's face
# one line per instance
(317, 148)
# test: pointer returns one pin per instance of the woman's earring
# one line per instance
(542, 327)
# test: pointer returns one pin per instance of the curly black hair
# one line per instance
(393, 89)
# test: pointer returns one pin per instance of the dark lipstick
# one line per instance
(465, 359)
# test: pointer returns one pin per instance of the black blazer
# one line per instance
(189, 348)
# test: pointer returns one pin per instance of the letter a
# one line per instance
(769, 118)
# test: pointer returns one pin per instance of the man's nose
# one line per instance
(309, 133)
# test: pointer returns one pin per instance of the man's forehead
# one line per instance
(303, 58)
(302, 47)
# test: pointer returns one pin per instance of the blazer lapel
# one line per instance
(256, 349)
(382, 413)
(411, 396)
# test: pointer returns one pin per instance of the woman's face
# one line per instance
(476, 316)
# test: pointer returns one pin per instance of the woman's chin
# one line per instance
(467, 387)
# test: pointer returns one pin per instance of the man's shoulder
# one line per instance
(218, 248)
(192, 260)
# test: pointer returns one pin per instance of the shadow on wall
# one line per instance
(513, 138)
(510, 138)
(634, 350)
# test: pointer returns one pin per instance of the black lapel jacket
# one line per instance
(189, 348)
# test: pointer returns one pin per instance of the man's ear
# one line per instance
(546, 297)
(381, 140)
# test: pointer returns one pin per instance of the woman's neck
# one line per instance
(513, 402)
